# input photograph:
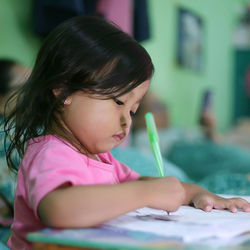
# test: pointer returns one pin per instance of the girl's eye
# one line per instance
(118, 102)
(132, 113)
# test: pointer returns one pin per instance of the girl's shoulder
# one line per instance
(50, 148)
(49, 142)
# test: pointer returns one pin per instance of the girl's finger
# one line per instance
(208, 208)
(241, 204)
(205, 205)
(246, 208)
(219, 205)
(233, 208)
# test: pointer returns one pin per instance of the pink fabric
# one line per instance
(48, 163)
(119, 12)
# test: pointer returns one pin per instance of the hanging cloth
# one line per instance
(119, 12)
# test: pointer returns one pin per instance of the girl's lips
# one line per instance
(119, 137)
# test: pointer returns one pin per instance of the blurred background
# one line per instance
(200, 92)
(195, 45)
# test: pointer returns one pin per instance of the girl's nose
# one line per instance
(126, 121)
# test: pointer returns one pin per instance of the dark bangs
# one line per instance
(123, 73)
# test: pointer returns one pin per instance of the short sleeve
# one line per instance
(49, 169)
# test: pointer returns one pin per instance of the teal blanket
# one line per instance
(214, 174)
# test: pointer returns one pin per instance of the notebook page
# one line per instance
(188, 224)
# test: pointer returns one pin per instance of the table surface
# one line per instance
(243, 240)
(46, 246)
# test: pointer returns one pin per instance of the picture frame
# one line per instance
(190, 40)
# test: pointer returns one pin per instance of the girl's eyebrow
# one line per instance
(140, 99)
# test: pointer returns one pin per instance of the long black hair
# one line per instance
(6, 66)
(83, 53)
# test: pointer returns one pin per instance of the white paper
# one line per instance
(188, 224)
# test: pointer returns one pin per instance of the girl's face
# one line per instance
(100, 125)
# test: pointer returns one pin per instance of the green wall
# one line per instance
(178, 87)
(181, 89)
(17, 40)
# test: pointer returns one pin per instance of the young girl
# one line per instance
(87, 83)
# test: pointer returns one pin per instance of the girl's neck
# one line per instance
(64, 134)
(78, 146)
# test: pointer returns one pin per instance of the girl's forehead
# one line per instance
(139, 91)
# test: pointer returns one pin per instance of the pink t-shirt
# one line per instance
(48, 163)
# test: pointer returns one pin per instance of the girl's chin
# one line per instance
(110, 146)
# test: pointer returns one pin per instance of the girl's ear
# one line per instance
(67, 101)
(57, 92)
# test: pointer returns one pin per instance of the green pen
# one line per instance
(154, 142)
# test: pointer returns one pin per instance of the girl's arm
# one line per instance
(86, 206)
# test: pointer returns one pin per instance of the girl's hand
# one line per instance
(165, 193)
(207, 201)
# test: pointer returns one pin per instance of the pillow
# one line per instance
(203, 158)
(226, 182)
(145, 164)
